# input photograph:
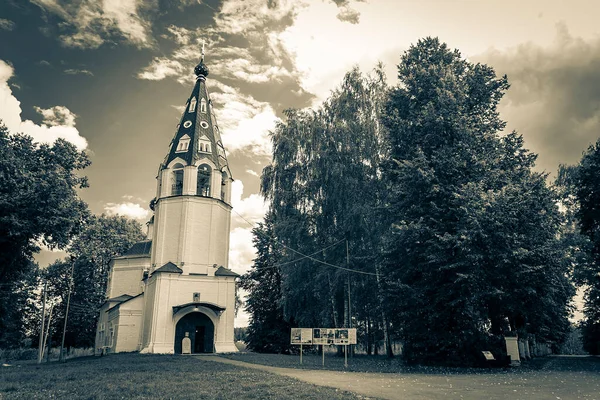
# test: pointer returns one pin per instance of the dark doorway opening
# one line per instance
(199, 342)
(201, 331)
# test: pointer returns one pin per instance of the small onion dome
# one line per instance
(201, 69)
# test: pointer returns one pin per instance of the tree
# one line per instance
(101, 239)
(39, 205)
(473, 232)
(268, 332)
(588, 195)
(323, 188)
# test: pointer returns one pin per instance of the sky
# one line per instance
(112, 77)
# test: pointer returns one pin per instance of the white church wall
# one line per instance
(149, 300)
(192, 230)
(129, 323)
(175, 290)
(126, 276)
(190, 176)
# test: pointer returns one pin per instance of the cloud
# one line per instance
(7, 24)
(241, 250)
(59, 121)
(74, 71)
(127, 209)
(243, 16)
(244, 122)
(346, 13)
(252, 172)
(57, 116)
(249, 210)
(89, 23)
(554, 99)
(160, 68)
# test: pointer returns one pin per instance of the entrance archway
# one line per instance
(201, 330)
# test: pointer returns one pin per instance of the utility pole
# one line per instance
(41, 343)
(349, 302)
(62, 358)
(48, 334)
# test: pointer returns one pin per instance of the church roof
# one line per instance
(222, 271)
(123, 299)
(138, 249)
(169, 267)
(198, 134)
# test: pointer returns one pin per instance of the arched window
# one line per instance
(203, 187)
(192, 107)
(177, 180)
(203, 105)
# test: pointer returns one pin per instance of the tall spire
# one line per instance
(198, 135)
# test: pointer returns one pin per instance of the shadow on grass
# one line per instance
(135, 376)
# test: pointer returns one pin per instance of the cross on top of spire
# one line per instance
(201, 69)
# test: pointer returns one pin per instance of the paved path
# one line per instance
(513, 385)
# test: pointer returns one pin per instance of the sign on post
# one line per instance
(323, 336)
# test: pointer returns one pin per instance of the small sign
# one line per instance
(488, 355)
(302, 336)
(319, 336)
(341, 336)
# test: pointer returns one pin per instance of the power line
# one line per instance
(310, 256)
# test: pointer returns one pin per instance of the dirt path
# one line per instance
(526, 385)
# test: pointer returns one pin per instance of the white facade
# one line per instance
(178, 282)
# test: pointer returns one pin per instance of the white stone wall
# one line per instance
(175, 289)
(129, 324)
(193, 231)
(126, 276)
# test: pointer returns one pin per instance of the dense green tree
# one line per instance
(323, 190)
(101, 239)
(472, 251)
(18, 307)
(268, 331)
(39, 205)
(587, 186)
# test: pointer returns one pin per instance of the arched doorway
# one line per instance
(201, 331)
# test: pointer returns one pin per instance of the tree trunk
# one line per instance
(332, 300)
(386, 336)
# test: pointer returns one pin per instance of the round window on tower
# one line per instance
(187, 124)
(204, 124)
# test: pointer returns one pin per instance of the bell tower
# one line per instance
(189, 288)
(192, 206)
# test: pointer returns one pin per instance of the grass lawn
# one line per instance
(136, 376)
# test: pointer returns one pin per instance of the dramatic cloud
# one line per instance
(554, 99)
(7, 24)
(244, 121)
(160, 68)
(59, 122)
(127, 209)
(89, 23)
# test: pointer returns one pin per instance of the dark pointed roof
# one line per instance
(140, 248)
(222, 271)
(199, 124)
(169, 267)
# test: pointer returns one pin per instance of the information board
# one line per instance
(337, 336)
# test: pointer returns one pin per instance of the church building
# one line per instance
(176, 284)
